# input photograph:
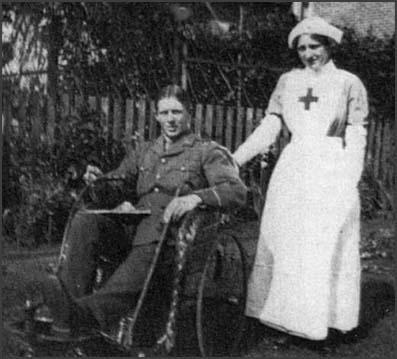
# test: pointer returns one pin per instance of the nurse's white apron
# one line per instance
(306, 274)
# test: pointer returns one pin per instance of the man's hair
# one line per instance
(176, 92)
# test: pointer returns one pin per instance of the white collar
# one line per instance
(326, 69)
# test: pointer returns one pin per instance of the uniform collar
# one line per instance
(326, 69)
(186, 140)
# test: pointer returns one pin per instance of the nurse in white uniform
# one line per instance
(306, 274)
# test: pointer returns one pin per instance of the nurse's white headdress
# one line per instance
(314, 25)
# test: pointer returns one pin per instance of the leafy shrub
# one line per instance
(47, 178)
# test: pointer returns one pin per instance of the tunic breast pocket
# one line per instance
(188, 173)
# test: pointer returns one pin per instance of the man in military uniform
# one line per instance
(206, 176)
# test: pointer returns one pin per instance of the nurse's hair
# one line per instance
(176, 92)
(327, 42)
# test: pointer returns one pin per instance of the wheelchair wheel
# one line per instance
(221, 299)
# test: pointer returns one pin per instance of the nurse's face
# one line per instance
(312, 53)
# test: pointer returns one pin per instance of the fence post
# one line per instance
(50, 120)
(36, 118)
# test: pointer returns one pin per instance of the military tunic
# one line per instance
(196, 167)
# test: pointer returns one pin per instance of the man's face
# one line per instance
(312, 53)
(173, 118)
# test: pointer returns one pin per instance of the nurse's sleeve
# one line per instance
(266, 133)
(356, 131)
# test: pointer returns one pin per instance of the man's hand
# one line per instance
(125, 207)
(91, 174)
(179, 206)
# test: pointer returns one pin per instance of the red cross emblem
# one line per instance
(308, 99)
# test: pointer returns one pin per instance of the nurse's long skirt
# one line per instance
(306, 274)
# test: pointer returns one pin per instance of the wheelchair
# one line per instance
(202, 313)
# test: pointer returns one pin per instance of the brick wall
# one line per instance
(362, 16)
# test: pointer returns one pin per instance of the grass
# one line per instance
(23, 278)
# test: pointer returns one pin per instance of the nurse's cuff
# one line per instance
(260, 140)
(356, 140)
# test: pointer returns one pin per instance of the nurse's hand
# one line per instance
(180, 206)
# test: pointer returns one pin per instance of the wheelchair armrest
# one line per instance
(199, 224)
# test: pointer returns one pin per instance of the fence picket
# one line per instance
(198, 119)
(6, 121)
(229, 127)
(386, 151)
(258, 117)
(65, 105)
(208, 121)
(78, 103)
(153, 129)
(370, 141)
(377, 149)
(105, 114)
(129, 118)
(219, 124)
(92, 103)
(141, 117)
(239, 128)
(117, 120)
(389, 150)
(249, 126)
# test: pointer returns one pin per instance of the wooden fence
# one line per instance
(229, 126)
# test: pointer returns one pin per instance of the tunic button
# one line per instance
(156, 189)
(163, 160)
(183, 168)
(158, 176)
